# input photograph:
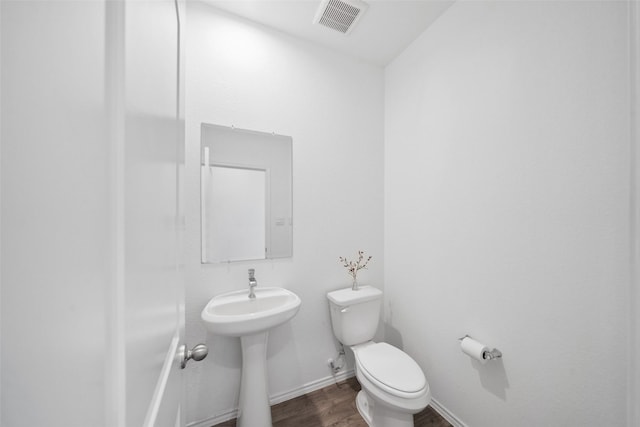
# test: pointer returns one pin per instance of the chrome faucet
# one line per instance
(252, 283)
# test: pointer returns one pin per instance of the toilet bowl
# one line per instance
(393, 385)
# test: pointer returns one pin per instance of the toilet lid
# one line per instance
(392, 367)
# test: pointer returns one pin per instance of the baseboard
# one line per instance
(278, 398)
(212, 421)
(446, 414)
(309, 387)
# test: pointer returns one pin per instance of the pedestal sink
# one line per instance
(235, 314)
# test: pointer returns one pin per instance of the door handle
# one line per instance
(197, 353)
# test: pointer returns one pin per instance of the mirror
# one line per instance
(245, 194)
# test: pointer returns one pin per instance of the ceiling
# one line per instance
(385, 29)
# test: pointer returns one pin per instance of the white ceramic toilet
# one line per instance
(393, 385)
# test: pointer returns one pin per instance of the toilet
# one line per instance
(393, 385)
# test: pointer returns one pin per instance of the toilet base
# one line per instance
(380, 416)
(362, 404)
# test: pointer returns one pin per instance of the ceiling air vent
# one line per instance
(340, 15)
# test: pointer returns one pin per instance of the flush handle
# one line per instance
(197, 353)
(345, 310)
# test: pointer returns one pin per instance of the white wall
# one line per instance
(55, 216)
(634, 366)
(251, 77)
(90, 174)
(507, 173)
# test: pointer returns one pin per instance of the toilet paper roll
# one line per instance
(473, 349)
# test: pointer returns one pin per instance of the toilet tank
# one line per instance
(355, 314)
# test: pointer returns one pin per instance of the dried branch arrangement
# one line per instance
(354, 266)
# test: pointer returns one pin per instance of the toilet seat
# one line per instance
(390, 369)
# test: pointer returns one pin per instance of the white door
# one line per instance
(150, 170)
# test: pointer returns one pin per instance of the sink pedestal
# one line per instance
(254, 409)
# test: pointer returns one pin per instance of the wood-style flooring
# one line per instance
(333, 406)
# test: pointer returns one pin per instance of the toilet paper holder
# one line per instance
(487, 355)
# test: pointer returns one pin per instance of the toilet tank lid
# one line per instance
(347, 296)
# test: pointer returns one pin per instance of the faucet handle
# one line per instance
(252, 272)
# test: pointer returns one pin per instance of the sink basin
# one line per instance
(235, 314)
